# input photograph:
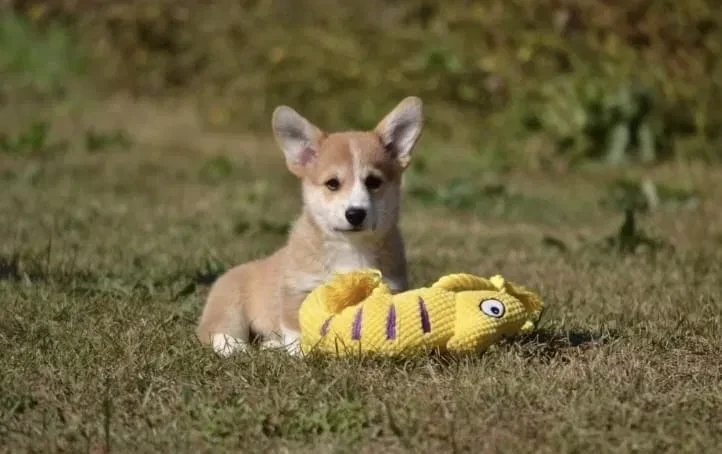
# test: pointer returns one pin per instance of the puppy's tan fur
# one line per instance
(338, 171)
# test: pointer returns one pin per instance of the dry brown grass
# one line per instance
(106, 258)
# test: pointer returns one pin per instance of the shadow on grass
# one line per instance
(15, 267)
(547, 344)
(9, 267)
(568, 339)
(543, 345)
(202, 278)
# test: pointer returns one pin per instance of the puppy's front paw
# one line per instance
(292, 342)
(271, 344)
(294, 349)
(225, 345)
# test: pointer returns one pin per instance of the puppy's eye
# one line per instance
(333, 184)
(373, 182)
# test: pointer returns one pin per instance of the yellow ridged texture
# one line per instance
(352, 314)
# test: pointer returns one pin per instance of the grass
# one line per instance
(106, 259)
(118, 213)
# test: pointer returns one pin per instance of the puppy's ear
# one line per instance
(401, 128)
(298, 138)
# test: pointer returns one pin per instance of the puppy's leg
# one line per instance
(224, 324)
(280, 339)
(225, 345)
(290, 326)
(292, 340)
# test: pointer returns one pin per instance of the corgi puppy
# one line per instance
(351, 187)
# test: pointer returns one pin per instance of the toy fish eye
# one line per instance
(493, 308)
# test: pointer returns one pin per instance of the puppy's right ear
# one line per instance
(298, 138)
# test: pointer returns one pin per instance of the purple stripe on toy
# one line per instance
(324, 327)
(425, 321)
(356, 331)
(391, 323)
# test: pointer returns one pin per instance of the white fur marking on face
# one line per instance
(225, 345)
(359, 196)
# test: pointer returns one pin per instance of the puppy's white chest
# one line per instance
(345, 257)
(350, 258)
(338, 258)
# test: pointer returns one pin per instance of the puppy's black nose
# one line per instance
(355, 216)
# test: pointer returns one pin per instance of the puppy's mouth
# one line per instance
(352, 229)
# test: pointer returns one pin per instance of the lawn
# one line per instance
(111, 240)
(136, 164)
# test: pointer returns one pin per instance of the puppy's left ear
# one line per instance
(400, 129)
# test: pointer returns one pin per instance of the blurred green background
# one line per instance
(540, 83)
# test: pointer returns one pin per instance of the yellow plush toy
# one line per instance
(357, 313)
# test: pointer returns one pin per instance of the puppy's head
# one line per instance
(351, 180)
